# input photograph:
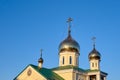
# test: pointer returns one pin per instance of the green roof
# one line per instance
(47, 73)
(77, 68)
(68, 67)
(88, 70)
(104, 73)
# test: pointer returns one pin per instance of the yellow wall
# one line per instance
(66, 74)
(34, 75)
(70, 74)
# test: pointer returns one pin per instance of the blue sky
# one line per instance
(26, 26)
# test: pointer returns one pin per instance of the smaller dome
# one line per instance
(69, 44)
(94, 54)
(40, 60)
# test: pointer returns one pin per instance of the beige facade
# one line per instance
(66, 74)
(30, 74)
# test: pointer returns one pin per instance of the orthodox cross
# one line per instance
(69, 24)
(94, 39)
(41, 50)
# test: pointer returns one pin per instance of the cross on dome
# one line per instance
(41, 50)
(69, 20)
(93, 39)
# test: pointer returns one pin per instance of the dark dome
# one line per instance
(94, 54)
(69, 44)
(40, 60)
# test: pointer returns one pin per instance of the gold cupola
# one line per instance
(69, 44)
(69, 50)
(94, 57)
(94, 54)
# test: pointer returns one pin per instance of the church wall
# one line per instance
(66, 55)
(66, 74)
(79, 75)
(97, 74)
(71, 74)
(30, 74)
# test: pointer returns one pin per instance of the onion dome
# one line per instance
(40, 60)
(69, 44)
(94, 54)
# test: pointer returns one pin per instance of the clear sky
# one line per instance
(26, 26)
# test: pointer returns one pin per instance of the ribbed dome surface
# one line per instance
(69, 44)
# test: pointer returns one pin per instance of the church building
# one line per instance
(68, 68)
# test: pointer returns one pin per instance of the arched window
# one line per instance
(96, 64)
(92, 64)
(63, 60)
(70, 60)
(76, 60)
